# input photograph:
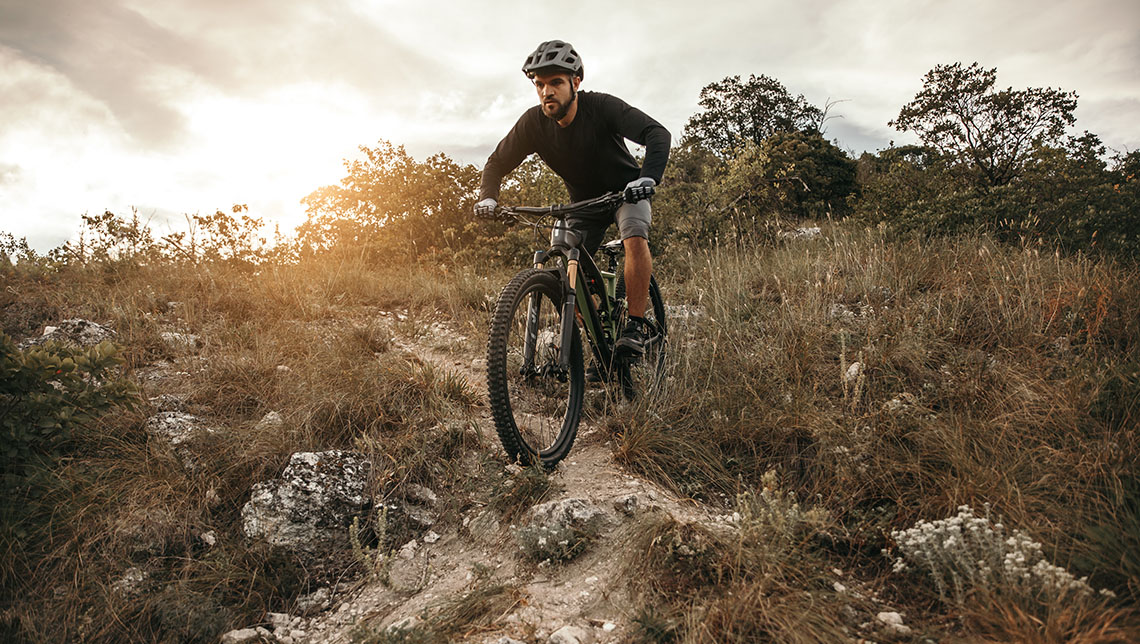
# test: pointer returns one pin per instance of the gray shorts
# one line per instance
(633, 220)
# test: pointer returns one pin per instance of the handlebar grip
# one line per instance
(640, 193)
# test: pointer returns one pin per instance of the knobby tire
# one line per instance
(536, 414)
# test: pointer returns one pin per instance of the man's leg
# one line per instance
(638, 268)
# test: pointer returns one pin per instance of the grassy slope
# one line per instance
(1020, 368)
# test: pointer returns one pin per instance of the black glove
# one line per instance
(639, 189)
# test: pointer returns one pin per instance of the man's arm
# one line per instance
(511, 151)
(637, 126)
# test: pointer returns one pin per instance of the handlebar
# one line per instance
(608, 200)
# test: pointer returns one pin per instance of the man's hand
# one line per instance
(486, 209)
(639, 189)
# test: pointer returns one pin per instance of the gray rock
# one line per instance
(569, 635)
(131, 583)
(179, 341)
(241, 636)
(627, 504)
(577, 513)
(176, 427)
(314, 602)
(404, 624)
(420, 495)
(507, 640)
(168, 402)
(73, 332)
(280, 621)
(560, 530)
(803, 232)
(270, 421)
(310, 507)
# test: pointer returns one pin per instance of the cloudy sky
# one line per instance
(184, 106)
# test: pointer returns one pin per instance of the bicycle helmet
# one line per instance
(553, 54)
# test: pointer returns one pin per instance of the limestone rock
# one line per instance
(180, 341)
(578, 513)
(311, 506)
(314, 602)
(569, 635)
(74, 332)
(168, 402)
(131, 582)
(176, 427)
(241, 636)
(270, 421)
(627, 504)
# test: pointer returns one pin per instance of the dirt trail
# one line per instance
(590, 592)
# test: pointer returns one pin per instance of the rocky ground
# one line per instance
(558, 572)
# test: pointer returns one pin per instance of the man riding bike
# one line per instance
(581, 136)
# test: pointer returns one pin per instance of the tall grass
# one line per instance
(986, 374)
(307, 341)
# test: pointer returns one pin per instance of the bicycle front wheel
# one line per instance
(536, 403)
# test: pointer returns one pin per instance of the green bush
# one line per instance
(48, 392)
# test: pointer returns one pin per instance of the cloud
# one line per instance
(186, 106)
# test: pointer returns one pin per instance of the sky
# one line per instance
(176, 107)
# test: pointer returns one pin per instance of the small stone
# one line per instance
(839, 588)
(280, 621)
(853, 372)
(263, 633)
(569, 635)
(893, 622)
(403, 624)
(431, 537)
(609, 627)
(179, 341)
(240, 636)
(408, 551)
(210, 538)
(420, 494)
(627, 504)
(131, 582)
(314, 602)
(283, 369)
(270, 421)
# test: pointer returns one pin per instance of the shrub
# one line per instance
(966, 552)
(48, 392)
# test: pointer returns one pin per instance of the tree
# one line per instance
(735, 113)
(390, 200)
(993, 132)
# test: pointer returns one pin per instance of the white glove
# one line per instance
(486, 208)
(639, 189)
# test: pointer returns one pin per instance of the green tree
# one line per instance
(734, 112)
(390, 201)
(992, 132)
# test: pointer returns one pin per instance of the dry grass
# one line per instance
(987, 375)
(305, 341)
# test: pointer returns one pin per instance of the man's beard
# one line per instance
(563, 108)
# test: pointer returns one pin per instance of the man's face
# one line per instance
(556, 92)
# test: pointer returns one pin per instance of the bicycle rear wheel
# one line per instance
(645, 375)
(536, 404)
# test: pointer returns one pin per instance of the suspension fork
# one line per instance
(532, 321)
(568, 307)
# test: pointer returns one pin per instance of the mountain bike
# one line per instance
(535, 366)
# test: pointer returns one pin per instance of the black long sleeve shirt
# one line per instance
(590, 154)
